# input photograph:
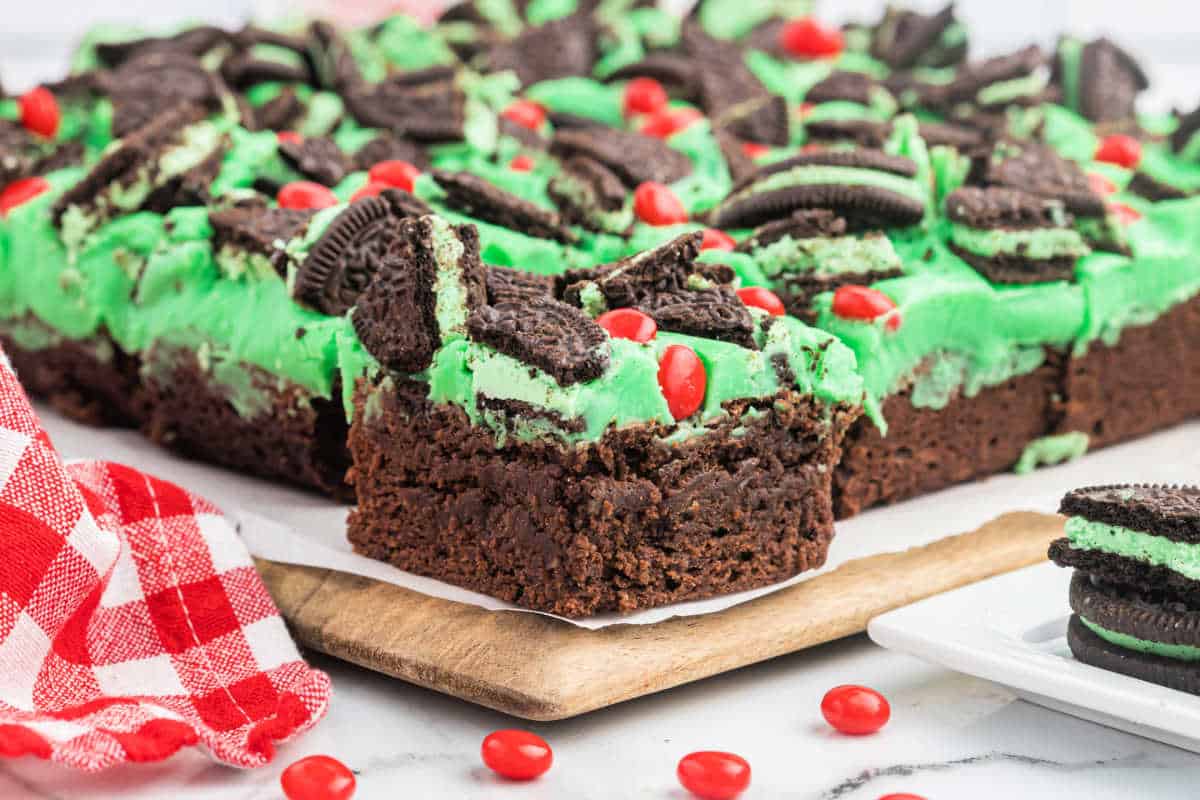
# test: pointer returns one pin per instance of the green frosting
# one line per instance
(733, 19)
(1050, 450)
(832, 256)
(1147, 548)
(1003, 92)
(1038, 243)
(1070, 54)
(582, 97)
(1179, 652)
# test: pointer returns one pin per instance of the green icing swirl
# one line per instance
(1050, 450)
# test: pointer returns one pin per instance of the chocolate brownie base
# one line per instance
(1146, 381)
(91, 380)
(1112, 393)
(294, 436)
(927, 449)
(1089, 648)
(622, 524)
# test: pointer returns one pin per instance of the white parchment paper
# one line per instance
(297, 527)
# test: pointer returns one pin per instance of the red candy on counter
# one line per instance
(855, 710)
(21, 191)
(644, 96)
(39, 111)
(682, 378)
(865, 303)
(765, 299)
(1120, 149)
(655, 204)
(806, 38)
(305, 195)
(395, 173)
(713, 775)
(318, 778)
(628, 323)
(525, 113)
(517, 755)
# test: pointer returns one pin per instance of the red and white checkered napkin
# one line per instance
(132, 621)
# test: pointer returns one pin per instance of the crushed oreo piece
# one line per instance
(1110, 80)
(426, 113)
(1039, 169)
(279, 113)
(586, 191)
(347, 255)
(1153, 616)
(960, 137)
(561, 48)
(256, 229)
(1154, 190)
(1189, 126)
(633, 157)
(243, 69)
(190, 188)
(333, 64)
(862, 158)
(974, 77)
(481, 199)
(905, 39)
(195, 42)
(387, 147)
(675, 71)
(317, 158)
(863, 133)
(555, 337)
(512, 412)
(147, 83)
(1001, 207)
(732, 150)
(395, 317)
(506, 285)
(730, 94)
(810, 223)
(843, 85)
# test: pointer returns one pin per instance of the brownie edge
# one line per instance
(620, 524)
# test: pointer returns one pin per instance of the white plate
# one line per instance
(1012, 630)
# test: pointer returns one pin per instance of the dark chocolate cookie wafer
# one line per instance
(481, 199)
(347, 255)
(1040, 170)
(551, 335)
(904, 39)
(864, 133)
(1110, 80)
(842, 85)
(147, 83)
(1189, 126)
(863, 158)
(675, 71)
(256, 229)
(558, 49)
(809, 223)
(191, 187)
(507, 285)
(1086, 646)
(333, 63)
(388, 147)
(1169, 511)
(396, 317)
(426, 112)
(973, 77)
(195, 42)
(730, 94)
(632, 156)
(1001, 207)
(280, 113)
(1152, 616)
(244, 69)
(317, 158)
(1154, 190)
(591, 195)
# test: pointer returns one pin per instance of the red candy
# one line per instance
(317, 778)
(397, 174)
(39, 111)
(1100, 184)
(305, 195)
(682, 378)
(525, 113)
(21, 191)
(754, 149)
(804, 109)
(712, 775)
(717, 240)
(1124, 214)
(644, 96)
(372, 189)
(521, 163)
(667, 122)
(762, 298)
(1120, 149)
(655, 204)
(516, 755)
(290, 137)
(628, 323)
(856, 710)
(807, 38)
(861, 302)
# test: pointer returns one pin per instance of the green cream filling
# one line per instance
(1038, 244)
(1050, 450)
(1147, 548)
(1004, 92)
(450, 303)
(1178, 652)
(833, 256)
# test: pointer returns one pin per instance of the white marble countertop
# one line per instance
(950, 737)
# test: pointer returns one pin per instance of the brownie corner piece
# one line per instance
(629, 521)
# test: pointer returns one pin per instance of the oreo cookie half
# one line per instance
(1013, 237)
(149, 82)
(1110, 80)
(348, 253)
(1169, 511)
(634, 158)
(434, 111)
(591, 195)
(553, 336)
(479, 198)
(246, 238)
(905, 39)
(399, 317)
(558, 49)
(870, 189)
(1039, 169)
(317, 158)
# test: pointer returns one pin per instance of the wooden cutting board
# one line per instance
(540, 668)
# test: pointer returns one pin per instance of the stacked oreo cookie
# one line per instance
(1135, 593)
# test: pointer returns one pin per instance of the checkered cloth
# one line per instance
(132, 621)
